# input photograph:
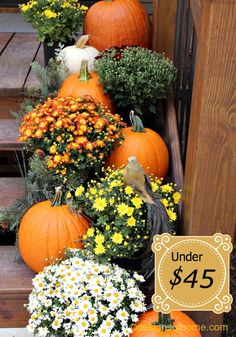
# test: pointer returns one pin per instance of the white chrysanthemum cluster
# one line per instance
(83, 298)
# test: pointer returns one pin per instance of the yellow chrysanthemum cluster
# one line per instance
(75, 133)
(119, 214)
(52, 19)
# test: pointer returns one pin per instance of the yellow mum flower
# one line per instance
(68, 195)
(166, 188)
(115, 183)
(129, 190)
(122, 209)
(84, 8)
(79, 191)
(137, 202)
(176, 197)
(131, 222)
(93, 190)
(111, 201)
(100, 204)
(117, 238)
(90, 232)
(130, 211)
(172, 215)
(66, 5)
(25, 8)
(99, 239)
(99, 249)
(165, 202)
(154, 186)
(50, 14)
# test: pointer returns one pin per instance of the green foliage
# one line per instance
(40, 185)
(135, 77)
(49, 79)
(55, 21)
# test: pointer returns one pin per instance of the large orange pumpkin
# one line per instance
(117, 23)
(177, 324)
(83, 84)
(146, 145)
(45, 231)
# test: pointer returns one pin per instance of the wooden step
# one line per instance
(15, 287)
(11, 189)
(9, 134)
(17, 52)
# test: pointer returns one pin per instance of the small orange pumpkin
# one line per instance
(146, 145)
(175, 324)
(46, 229)
(83, 84)
(117, 23)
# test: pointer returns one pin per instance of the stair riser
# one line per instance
(13, 313)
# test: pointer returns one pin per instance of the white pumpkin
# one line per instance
(72, 56)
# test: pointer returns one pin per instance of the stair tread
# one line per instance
(9, 134)
(17, 277)
(11, 190)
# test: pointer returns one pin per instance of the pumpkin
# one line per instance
(117, 23)
(83, 84)
(46, 229)
(146, 145)
(72, 56)
(175, 324)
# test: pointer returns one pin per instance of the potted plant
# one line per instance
(135, 77)
(75, 134)
(80, 297)
(55, 21)
(119, 227)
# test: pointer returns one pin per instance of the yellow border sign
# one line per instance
(192, 273)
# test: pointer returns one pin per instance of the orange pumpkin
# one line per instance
(177, 324)
(117, 23)
(146, 145)
(45, 231)
(83, 84)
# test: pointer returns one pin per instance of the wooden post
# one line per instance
(209, 187)
(163, 27)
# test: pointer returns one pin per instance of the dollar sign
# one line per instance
(177, 279)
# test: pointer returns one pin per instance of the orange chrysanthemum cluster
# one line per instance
(75, 133)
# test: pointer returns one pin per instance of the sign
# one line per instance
(192, 273)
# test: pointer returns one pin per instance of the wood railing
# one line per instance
(209, 177)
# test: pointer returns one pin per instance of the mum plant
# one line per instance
(80, 297)
(135, 77)
(75, 134)
(120, 226)
(55, 21)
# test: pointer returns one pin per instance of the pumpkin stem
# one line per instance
(58, 195)
(84, 75)
(81, 43)
(136, 122)
(165, 322)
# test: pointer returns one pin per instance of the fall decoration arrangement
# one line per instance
(72, 201)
